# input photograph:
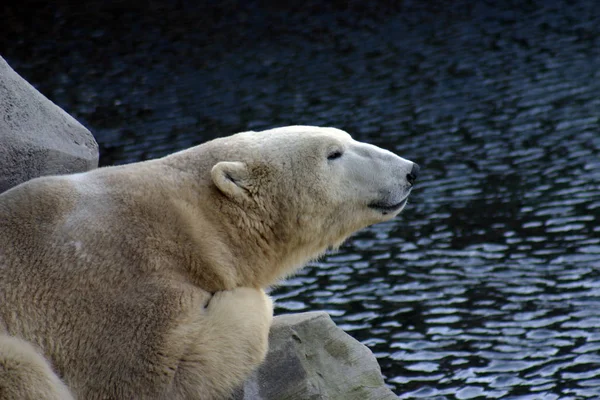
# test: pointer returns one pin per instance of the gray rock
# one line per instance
(36, 136)
(311, 358)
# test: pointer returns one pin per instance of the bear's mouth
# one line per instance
(387, 208)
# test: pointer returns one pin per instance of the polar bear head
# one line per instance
(296, 191)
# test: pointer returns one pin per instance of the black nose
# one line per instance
(414, 172)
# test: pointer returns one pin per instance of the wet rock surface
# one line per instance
(488, 286)
(37, 138)
(311, 358)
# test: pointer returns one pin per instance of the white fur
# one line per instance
(146, 280)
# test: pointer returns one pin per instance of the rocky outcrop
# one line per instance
(311, 358)
(36, 136)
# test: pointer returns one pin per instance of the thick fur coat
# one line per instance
(146, 280)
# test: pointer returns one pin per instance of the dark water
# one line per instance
(488, 286)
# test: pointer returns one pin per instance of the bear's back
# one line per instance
(53, 283)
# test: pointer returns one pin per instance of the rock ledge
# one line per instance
(311, 358)
(36, 136)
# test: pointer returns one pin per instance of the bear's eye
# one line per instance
(333, 155)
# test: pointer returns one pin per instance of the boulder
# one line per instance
(311, 358)
(36, 136)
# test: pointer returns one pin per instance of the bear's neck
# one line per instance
(275, 247)
(226, 246)
(263, 248)
(244, 248)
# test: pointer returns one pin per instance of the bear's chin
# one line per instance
(386, 208)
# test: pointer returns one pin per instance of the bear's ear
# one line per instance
(232, 178)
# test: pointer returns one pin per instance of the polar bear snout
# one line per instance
(411, 177)
(393, 195)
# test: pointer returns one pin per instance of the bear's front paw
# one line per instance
(242, 302)
(247, 314)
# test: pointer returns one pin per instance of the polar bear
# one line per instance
(146, 280)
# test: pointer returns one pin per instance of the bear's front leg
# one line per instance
(225, 345)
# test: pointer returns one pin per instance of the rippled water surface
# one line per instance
(488, 285)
